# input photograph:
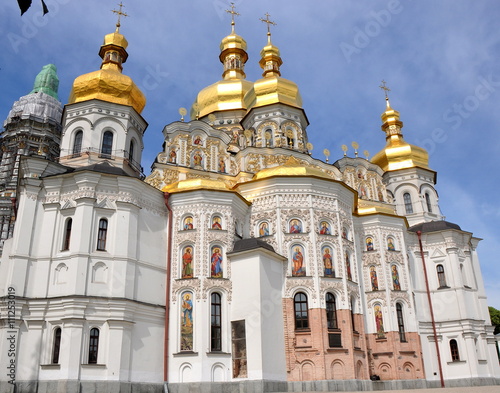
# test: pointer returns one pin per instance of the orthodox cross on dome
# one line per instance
(385, 89)
(233, 14)
(269, 23)
(120, 13)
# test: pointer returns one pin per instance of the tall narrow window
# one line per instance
(67, 234)
(455, 356)
(441, 276)
(428, 202)
(77, 144)
(102, 234)
(331, 311)
(408, 204)
(56, 346)
(301, 311)
(215, 314)
(107, 143)
(93, 345)
(401, 323)
(131, 151)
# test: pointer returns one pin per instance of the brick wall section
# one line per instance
(392, 359)
(309, 356)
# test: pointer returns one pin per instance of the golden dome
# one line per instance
(272, 88)
(108, 83)
(196, 184)
(398, 154)
(292, 167)
(229, 93)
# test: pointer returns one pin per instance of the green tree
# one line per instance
(495, 318)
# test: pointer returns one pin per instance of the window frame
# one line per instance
(131, 150)
(77, 143)
(301, 307)
(331, 311)
(56, 345)
(401, 323)
(441, 276)
(67, 234)
(428, 202)
(102, 234)
(93, 345)
(215, 322)
(455, 353)
(408, 203)
(107, 143)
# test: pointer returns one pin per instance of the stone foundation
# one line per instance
(236, 387)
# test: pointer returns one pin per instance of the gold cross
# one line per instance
(120, 13)
(269, 23)
(233, 14)
(385, 88)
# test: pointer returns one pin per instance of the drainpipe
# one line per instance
(419, 233)
(166, 195)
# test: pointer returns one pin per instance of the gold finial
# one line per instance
(182, 112)
(366, 153)
(212, 118)
(196, 109)
(269, 23)
(326, 152)
(385, 89)
(344, 149)
(233, 14)
(355, 145)
(120, 13)
(309, 147)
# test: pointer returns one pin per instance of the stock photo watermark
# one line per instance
(458, 112)
(32, 23)
(11, 335)
(363, 36)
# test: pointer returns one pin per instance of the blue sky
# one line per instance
(441, 60)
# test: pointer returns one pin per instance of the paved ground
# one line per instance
(477, 389)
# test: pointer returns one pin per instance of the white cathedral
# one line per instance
(240, 263)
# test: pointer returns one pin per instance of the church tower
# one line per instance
(102, 120)
(33, 127)
(409, 180)
(275, 117)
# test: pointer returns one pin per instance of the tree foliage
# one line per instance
(495, 318)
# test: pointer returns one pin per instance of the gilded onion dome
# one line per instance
(292, 167)
(195, 184)
(228, 93)
(398, 154)
(272, 88)
(108, 83)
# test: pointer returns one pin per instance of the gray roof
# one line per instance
(251, 244)
(434, 226)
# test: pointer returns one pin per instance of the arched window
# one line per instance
(408, 204)
(301, 311)
(131, 151)
(268, 137)
(77, 144)
(67, 234)
(441, 276)
(331, 311)
(102, 234)
(107, 143)
(401, 323)
(56, 346)
(93, 345)
(455, 356)
(428, 202)
(215, 322)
